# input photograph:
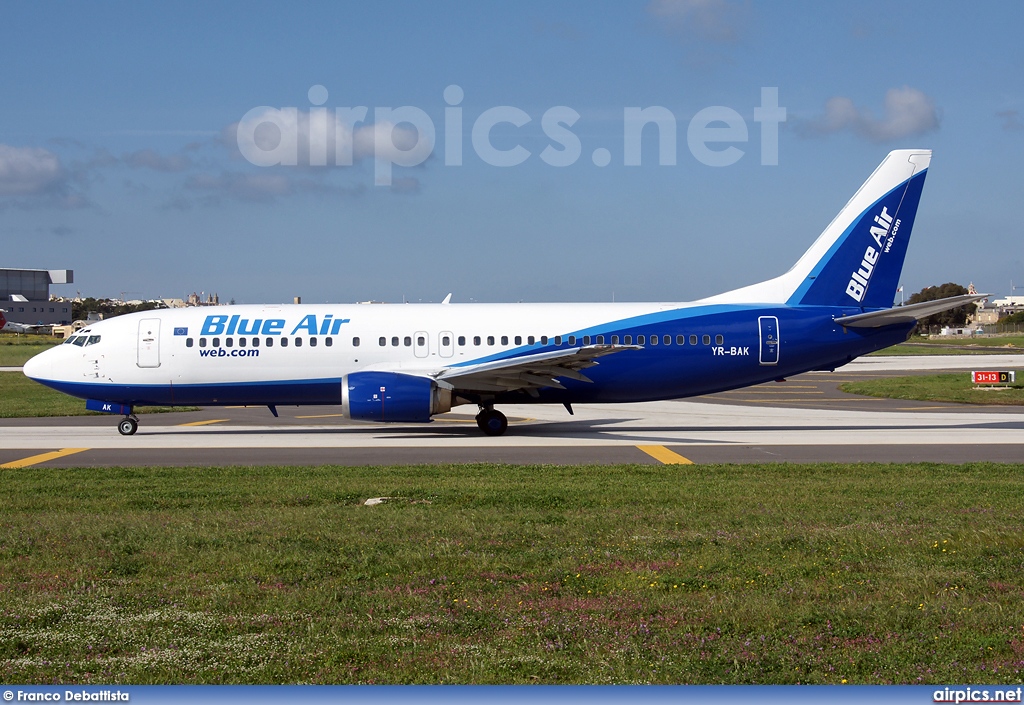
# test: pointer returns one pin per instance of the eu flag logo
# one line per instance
(181, 331)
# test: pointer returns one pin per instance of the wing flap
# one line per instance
(530, 372)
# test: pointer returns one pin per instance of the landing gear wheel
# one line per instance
(492, 422)
(128, 426)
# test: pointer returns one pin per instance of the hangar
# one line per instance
(25, 296)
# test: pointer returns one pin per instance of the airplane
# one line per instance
(12, 327)
(408, 362)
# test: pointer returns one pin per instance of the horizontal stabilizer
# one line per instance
(907, 314)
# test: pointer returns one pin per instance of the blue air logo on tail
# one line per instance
(863, 266)
(860, 279)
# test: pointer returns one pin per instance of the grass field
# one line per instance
(497, 574)
(15, 350)
(21, 397)
(955, 387)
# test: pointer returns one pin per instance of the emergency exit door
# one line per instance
(149, 342)
(768, 328)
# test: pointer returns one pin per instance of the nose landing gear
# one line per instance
(128, 426)
(491, 421)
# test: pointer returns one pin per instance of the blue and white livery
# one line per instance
(407, 363)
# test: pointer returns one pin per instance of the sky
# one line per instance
(163, 149)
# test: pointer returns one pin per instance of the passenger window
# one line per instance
(188, 342)
(693, 340)
(462, 340)
(270, 342)
(706, 339)
(615, 340)
(600, 340)
(298, 342)
(490, 340)
(543, 340)
(719, 340)
(572, 340)
(383, 341)
(445, 340)
(329, 342)
(284, 342)
(504, 340)
(519, 340)
(355, 342)
(312, 342)
(420, 340)
(627, 340)
(408, 341)
(586, 340)
(531, 340)
(216, 342)
(640, 339)
(476, 340)
(202, 342)
(654, 340)
(241, 342)
(667, 339)
(558, 340)
(255, 342)
(228, 342)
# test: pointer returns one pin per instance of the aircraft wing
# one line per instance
(907, 314)
(529, 372)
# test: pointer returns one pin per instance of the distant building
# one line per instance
(991, 311)
(25, 296)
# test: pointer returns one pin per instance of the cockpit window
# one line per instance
(79, 340)
(68, 340)
(93, 339)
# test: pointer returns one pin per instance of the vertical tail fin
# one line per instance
(858, 258)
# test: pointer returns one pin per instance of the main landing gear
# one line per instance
(128, 426)
(491, 421)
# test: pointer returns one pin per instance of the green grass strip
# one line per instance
(955, 387)
(21, 397)
(510, 574)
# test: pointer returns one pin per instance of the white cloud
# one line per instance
(150, 159)
(294, 137)
(715, 20)
(908, 112)
(29, 171)
(245, 187)
(1011, 120)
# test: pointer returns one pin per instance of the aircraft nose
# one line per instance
(39, 367)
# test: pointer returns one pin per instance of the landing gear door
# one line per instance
(149, 342)
(768, 329)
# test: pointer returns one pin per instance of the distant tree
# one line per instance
(1012, 318)
(109, 307)
(954, 318)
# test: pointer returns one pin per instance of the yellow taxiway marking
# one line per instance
(203, 423)
(41, 458)
(665, 456)
(320, 416)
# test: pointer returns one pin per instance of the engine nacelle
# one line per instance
(390, 396)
